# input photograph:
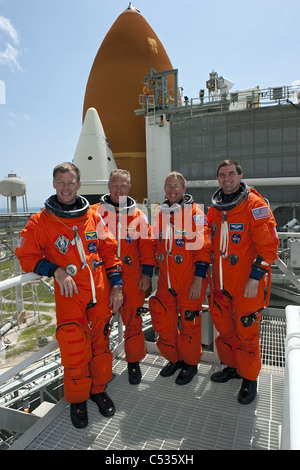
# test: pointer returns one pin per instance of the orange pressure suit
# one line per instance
(76, 241)
(245, 245)
(183, 250)
(130, 227)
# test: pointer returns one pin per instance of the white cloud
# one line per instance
(9, 56)
(16, 119)
(9, 52)
(7, 27)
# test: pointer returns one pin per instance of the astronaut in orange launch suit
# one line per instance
(70, 242)
(130, 226)
(183, 250)
(245, 245)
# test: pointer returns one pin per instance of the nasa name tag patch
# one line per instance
(179, 232)
(261, 213)
(62, 244)
(236, 227)
(91, 236)
(129, 229)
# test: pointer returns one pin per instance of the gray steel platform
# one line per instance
(157, 414)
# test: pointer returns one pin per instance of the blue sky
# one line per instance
(47, 49)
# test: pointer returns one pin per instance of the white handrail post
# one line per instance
(290, 435)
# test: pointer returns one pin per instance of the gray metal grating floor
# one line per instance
(272, 337)
(158, 414)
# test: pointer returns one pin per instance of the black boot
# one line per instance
(224, 375)
(104, 403)
(79, 416)
(171, 368)
(134, 373)
(186, 374)
(247, 391)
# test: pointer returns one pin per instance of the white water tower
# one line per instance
(12, 187)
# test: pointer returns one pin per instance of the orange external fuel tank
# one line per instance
(128, 52)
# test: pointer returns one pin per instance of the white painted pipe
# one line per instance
(18, 280)
(286, 181)
(292, 357)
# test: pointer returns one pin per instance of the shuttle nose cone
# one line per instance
(94, 158)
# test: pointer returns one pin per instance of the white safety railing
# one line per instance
(290, 433)
(35, 357)
(18, 280)
(8, 284)
(151, 347)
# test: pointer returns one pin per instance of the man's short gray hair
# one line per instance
(120, 173)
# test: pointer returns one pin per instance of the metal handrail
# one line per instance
(290, 435)
(18, 280)
(35, 357)
(255, 98)
(8, 284)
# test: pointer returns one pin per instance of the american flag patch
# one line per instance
(261, 212)
(200, 219)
